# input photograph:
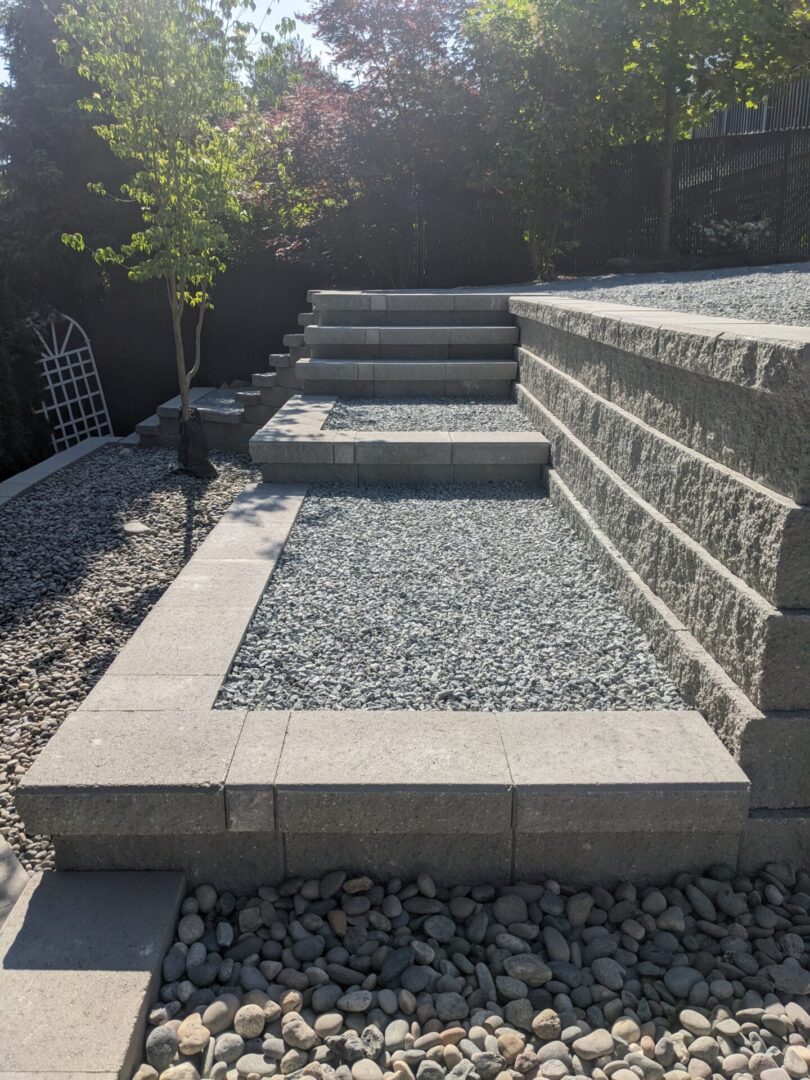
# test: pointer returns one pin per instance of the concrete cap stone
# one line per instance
(621, 771)
(249, 787)
(145, 772)
(394, 772)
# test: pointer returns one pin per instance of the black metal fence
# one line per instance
(740, 178)
(788, 110)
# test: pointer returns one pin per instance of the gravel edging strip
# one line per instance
(23, 481)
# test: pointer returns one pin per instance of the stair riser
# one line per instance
(411, 352)
(305, 473)
(341, 317)
(492, 388)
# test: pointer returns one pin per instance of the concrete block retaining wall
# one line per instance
(681, 452)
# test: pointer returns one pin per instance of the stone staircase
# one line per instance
(363, 344)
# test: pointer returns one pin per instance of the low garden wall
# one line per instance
(681, 449)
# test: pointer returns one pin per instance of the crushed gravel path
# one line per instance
(427, 414)
(452, 598)
(74, 586)
(775, 294)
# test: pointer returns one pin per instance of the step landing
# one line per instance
(293, 447)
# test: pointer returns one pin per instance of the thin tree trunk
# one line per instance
(179, 350)
(670, 130)
(664, 238)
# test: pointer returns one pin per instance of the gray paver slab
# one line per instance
(402, 448)
(150, 693)
(81, 952)
(361, 771)
(249, 794)
(150, 772)
(180, 641)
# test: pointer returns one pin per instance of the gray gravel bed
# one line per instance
(775, 294)
(350, 978)
(477, 597)
(74, 586)
(427, 414)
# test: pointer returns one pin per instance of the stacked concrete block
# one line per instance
(681, 450)
(499, 795)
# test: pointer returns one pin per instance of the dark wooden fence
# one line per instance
(741, 178)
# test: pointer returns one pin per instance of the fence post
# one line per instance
(783, 190)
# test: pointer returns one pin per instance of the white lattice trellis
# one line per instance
(72, 398)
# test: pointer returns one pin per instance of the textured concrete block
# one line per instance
(447, 858)
(402, 448)
(132, 772)
(775, 836)
(736, 392)
(239, 861)
(766, 651)
(605, 772)
(498, 474)
(323, 301)
(311, 447)
(498, 448)
(309, 473)
(249, 790)
(609, 858)
(367, 772)
(78, 947)
(699, 677)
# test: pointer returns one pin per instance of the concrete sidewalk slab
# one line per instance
(81, 955)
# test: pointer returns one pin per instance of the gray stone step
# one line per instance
(280, 360)
(247, 398)
(292, 340)
(391, 377)
(410, 342)
(579, 795)
(411, 309)
(373, 457)
(264, 378)
(78, 948)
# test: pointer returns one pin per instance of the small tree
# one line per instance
(169, 102)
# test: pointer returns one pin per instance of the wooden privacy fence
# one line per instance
(740, 178)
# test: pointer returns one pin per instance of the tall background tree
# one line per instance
(170, 104)
(685, 60)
